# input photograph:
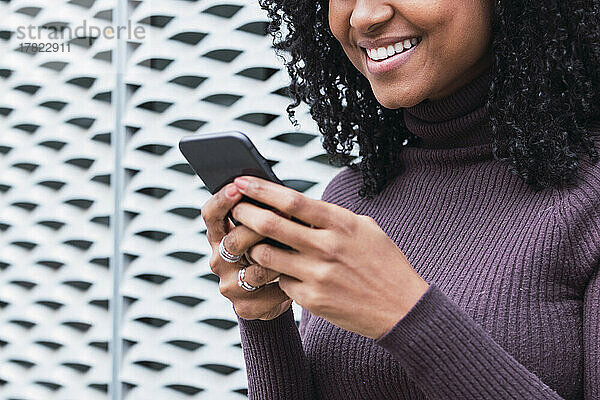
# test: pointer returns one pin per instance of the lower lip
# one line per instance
(379, 67)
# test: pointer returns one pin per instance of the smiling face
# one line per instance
(452, 45)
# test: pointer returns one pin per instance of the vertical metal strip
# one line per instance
(118, 140)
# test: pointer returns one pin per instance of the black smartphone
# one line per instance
(218, 158)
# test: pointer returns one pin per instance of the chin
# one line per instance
(392, 101)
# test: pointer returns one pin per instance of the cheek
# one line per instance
(339, 24)
(470, 32)
(339, 20)
(458, 31)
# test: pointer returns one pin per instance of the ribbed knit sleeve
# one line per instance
(582, 210)
(276, 365)
(449, 356)
(591, 334)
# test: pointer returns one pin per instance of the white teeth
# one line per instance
(385, 52)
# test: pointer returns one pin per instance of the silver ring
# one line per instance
(245, 285)
(227, 256)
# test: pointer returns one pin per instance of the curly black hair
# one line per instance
(545, 89)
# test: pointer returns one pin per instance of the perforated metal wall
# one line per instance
(202, 66)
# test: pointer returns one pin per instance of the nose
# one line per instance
(369, 15)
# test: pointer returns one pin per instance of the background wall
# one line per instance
(105, 289)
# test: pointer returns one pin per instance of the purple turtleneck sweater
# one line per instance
(513, 306)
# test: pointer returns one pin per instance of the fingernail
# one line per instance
(231, 191)
(241, 182)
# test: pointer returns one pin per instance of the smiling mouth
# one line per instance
(383, 53)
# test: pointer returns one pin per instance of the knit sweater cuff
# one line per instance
(275, 361)
(449, 356)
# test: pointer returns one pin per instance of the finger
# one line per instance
(257, 275)
(214, 212)
(284, 261)
(293, 288)
(217, 264)
(228, 286)
(240, 238)
(316, 212)
(267, 223)
(262, 303)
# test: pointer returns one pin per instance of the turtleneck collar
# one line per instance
(454, 121)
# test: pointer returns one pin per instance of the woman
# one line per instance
(460, 259)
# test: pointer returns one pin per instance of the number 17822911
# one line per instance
(45, 47)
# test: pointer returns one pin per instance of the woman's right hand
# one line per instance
(266, 303)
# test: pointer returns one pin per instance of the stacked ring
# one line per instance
(245, 285)
(227, 256)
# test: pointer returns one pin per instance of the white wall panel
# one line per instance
(55, 205)
(203, 66)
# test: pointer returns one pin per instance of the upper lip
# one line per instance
(384, 42)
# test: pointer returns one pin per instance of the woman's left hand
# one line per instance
(344, 269)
